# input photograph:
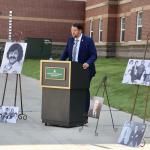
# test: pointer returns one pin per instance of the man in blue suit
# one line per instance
(81, 48)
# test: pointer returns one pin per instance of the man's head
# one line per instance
(6, 109)
(15, 53)
(136, 62)
(131, 62)
(76, 30)
(142, 62)
(12, 110)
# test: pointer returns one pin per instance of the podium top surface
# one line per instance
(55, 61)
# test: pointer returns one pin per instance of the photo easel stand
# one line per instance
(137, 91)
(104, 86)
(17, 38)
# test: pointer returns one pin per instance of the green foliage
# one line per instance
(31, 68)
(121, 96)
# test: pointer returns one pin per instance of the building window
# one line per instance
(91, 28)
(139, 26)
(122, 29)
(100, 39)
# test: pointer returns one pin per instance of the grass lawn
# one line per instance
(120, 95)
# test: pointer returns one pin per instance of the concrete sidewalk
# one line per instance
(31, 134)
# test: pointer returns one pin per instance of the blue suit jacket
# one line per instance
(87, 52)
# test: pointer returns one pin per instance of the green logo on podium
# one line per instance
(55, 73)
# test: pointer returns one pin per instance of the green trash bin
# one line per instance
(47, 48)
(38, 48)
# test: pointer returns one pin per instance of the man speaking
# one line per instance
(81, 48)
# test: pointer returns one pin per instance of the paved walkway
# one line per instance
(31, 134)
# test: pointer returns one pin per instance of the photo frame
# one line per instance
(13, 57)
(137, 72)
(95, 107)
(132, 134)
(9, 114)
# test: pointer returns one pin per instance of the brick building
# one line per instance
(41, 18)
(118, 27)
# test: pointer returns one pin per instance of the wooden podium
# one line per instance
(64, 86)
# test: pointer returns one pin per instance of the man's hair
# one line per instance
(77, 25)
(14, 47)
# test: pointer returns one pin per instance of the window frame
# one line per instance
(139, 26)
(100, 30)
(122, 29)
(91, 28)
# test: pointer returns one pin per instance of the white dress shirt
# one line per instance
(78, 46)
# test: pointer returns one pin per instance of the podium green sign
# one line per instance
(54, 73)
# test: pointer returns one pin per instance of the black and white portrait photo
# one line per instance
(137, 72)
(95, 107)
(13, 57)
(8, 114)
(132, 133)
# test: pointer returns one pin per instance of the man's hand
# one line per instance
(85, 65)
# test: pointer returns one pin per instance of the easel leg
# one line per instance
(4, 90)
(145, 113)
(146, 103)
(16, 89)
(134, 103)
(96, 133)
(105, 90)
(22, 115)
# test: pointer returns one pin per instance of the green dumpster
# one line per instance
(38, 48)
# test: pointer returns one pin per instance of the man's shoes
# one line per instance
(86, 121)
(85, 118)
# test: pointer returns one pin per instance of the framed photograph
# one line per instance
(8, 114)
(95, 107)
(13, 57)
(137, 72)
(132, 133)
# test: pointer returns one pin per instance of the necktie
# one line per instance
(74, 50)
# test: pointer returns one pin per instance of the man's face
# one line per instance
(142, 62)
(136, 63)
(75, 32)
(7, 109)
(131, 62)
(13, 55)
(96, 105)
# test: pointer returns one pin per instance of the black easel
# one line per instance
(137, 91)
(17, 38)
(104, 86)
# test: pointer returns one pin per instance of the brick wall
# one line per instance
(111, 11)
(46, 18)
(53, 18)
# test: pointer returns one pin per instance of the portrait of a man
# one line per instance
(95, 107)
(13, 57)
